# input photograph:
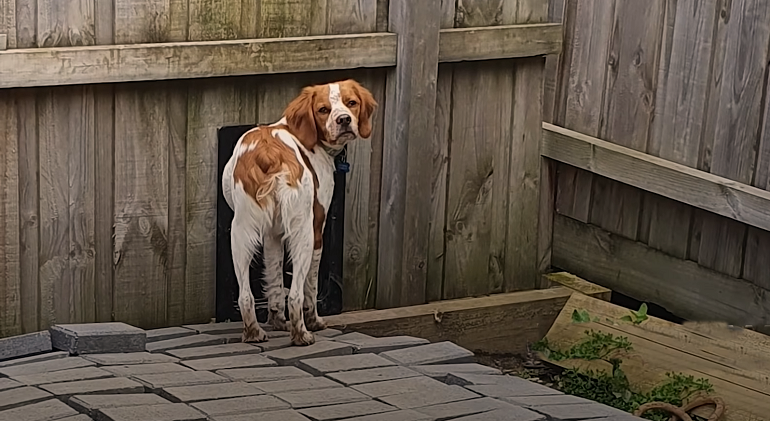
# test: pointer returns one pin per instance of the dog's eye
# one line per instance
(324, 110)
(352, 103)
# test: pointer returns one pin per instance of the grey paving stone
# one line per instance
(402, 415)
(24, 345)
(328, 333)
(130, 358)
(19, 396)
(265, 374)
(280, 334)
(49, 410)
(349, 378)
(311, 398)
(184, 342)
(6, 384)
(156, 382)
(281, 342)
(465, 379)
(81, 417)
(234, 361)
(90, 404)
(103, 386)
(97, 338)
(244, 405)
(45, 366)
(75, 374)
(463, 408)
(583, 411)
(167, 333)
(444, 394)
(296, 385)
(230, 338)
(535, 401)
(324, 365)
(384, 344)
(217, 328)
(162, 412)
(214, 351)
(55, 355)
(280, 415)
(346, 410)
(440, 371)
(438, 353)
(500, 386)
(396, 387)
(291, 355)
(205, 392)
(503, 415)
(140, 369)
(353, 336)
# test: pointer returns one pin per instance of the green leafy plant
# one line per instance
(636, 317)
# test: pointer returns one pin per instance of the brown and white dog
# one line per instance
(279, 183)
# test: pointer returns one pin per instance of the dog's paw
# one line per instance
(253, 334)
(315, 323)
(302, 338)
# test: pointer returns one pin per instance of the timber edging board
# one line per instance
(703, 190)
(34, 67)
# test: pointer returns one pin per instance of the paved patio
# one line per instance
(202, 372)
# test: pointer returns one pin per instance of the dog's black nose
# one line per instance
(343, 119)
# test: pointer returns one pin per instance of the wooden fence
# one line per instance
(108, 119)
(675, 209)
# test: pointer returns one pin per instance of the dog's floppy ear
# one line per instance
(368, 105)
(301, 119)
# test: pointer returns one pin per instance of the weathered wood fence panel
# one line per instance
(108, 194)
(682, 80)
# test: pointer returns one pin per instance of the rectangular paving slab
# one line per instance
(328, 333)
(282, 341)
(245, 405)
(265, 374)
(466, 407)
(24, 345)
(217, 328)
(346, 410)
(500, 386)
(204, 392)
(324, 365)
(6, 384)
(184, 342)
(349, 378)
(296, 385)
(167, 333)
(156, 382)
(130, 358)
(103, 386)
(90, 404)
(437, 353)
(140, 369)
(503, 415)
(440, 371)
(395, 387)
(97, 338)
(233, 361)
(214, 351)
(83, 373)
(575, 412)
(162, 412)
(429, 397)
(292, 355)
(19, 396)
(403, 415)
(55, 355)
(535, 401)
(384, 344)
(51, 409)
(310, 398)
(280, 415)
(45, 366)
(81, 417)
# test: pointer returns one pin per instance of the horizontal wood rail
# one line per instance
(703, 190)
(186, 60)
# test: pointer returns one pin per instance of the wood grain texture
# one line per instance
(10, 282)
(553, 63)
(512, 41)
(631, 268)
(410, 111)
(8, 21)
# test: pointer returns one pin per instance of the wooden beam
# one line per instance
(32, 67)
(706, 191)
(497, 324)
(405, 209)
(634, 269)
(568, 280)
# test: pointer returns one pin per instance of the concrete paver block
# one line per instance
(311, 398)
(244, 405)
(45, 366)
(233, 361)
(324, 365)
(346, 410)
(83, 373)
(396, 387)
(6, 384)
(402, 415)
(328, 333)
(280, 415)
(575, 412)
(440, 371)
(535, 401)
(111, 385)
(81, 417)
(349, 378)
(214, 351)
(499, 386)
(167, 333)
(51, 409)
(431, 396)
(161, 412)
(504, 415)
(466, 407)
(156, 382)
(205, 392)
(216, 328)
(384, 344)
(90, 404)
(140, 369)
(291, 355)
(352, 337)
(437, 353)
(130, 358)
(284, 341)
(55, 355)
(296, 385)
(184, 342)
(19, 396)
(97, 338)
(25, 345)
(265, 374)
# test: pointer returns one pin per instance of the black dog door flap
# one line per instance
(330, 272)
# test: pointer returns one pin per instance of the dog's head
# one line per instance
(333, 114)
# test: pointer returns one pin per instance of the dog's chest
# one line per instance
(323, 164)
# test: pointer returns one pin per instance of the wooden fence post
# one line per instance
(409, 117)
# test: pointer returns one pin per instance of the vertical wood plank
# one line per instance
(10, 282)
(287, 18)
(410, 106)
(552, 63)
(8, 20)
